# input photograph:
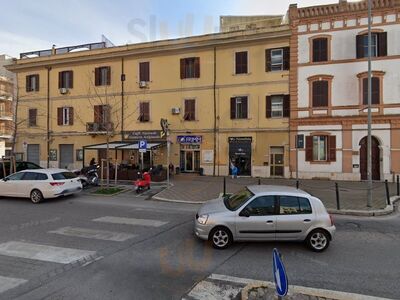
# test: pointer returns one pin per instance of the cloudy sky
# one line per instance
(34, 25)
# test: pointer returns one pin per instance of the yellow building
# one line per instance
(225, 96)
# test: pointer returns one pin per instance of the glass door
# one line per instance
(189, 161)
(277, 161)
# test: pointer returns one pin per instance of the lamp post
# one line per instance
(369, 139)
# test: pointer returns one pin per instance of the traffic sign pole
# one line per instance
(279, 273)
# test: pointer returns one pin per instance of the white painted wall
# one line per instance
(343, 43)
(345, 83)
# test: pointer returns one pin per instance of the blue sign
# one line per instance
(142, 146)
(280, 277)
(189, 139)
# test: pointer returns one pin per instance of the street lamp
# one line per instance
(369, 140)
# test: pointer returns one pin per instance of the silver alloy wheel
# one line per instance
(318, 240)
(220, 238)
(36, 196)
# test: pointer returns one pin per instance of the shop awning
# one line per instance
(124, 146)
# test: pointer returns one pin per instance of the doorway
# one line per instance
(375, 158)
(190, 158)
(240, 155)
(66, 156)
(277, 161)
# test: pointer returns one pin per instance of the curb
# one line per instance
(320, 293)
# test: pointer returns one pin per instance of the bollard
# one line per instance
(259, 181)
(387, 192)
(224, 186)
(337, 196)
(398, 185)
(297, 184)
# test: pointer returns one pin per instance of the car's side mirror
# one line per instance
(244, 213)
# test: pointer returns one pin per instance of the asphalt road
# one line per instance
(132, 248)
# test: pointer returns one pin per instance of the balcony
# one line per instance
(5, 97)
(6, 116)
(99, 128)
(5, 134)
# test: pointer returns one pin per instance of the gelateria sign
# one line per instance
(142, 135)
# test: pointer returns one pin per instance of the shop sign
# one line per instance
(142, 135)
(189, 139)
(240, 139)
(53, 154)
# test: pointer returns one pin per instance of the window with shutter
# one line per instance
(144, 71)
(190, 67)
(241, 62)
(65, 79)
(378, 44)
(32, 83)
(71, 116)
(375, 93)
(276, 59)
(286, 58)
(190, 110)
(319, 49)
(32, 117)
(98, 111)
(239, 108)
(59, 116)
(268, 106)
(319, 146)
(277, 106)
(102, 76)
(144, 112)
(320, 93)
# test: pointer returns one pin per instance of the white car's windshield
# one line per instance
(236, 200)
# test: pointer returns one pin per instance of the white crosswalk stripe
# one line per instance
(94, 234)
(43, 252)
(131, 221)
(8, 283)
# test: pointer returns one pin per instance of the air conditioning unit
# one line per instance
(143, 84)
(176, 110)
(63, 91)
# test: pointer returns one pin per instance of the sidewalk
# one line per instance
(353, 195)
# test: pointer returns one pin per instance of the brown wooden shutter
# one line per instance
(268, 106)
(71, 74)
(360, 46)
(146, 112)
(245, 107)
(365, 90)
(59, 116)
(97, 75)
(37, 83)
(97, 113)
(286, 58)
(108, 75)
(237, 63)
(183, 68)
(382, 44)
(332, 148)
(286, 106)
(268, 60)
(233, 108)
(197, 67)
(375, 91)
(32, 116)
(60, 80)
(144, 71)
(71, 116)
(27, 84)
(309, 148)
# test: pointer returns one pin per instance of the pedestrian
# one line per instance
(92, 162)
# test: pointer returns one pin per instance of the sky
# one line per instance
(36, 25)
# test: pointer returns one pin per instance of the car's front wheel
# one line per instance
(318, 240)
(36, 196)
(221, 237)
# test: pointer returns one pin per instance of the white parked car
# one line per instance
(40, 184)
(265, 213)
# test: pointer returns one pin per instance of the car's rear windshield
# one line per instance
(63, 175)
(233, 202)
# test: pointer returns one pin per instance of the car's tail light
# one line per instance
(56, 183)
(330, 217)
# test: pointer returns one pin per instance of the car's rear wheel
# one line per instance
(318, 240)
(36, 196)
(221, 237)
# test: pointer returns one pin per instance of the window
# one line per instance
(32, 117)
(65, 80)
(378, 44)
(63, 176)
(144, 112)
(190, 110)
(241, 62)
(321, 148)
(319, 49)
(34, 176)
(190, 67)
(277, 106)
(375, 95)
(102, 114)
(102, 76)
(277, 59)
(290, 205)
(65, 116)
(261, 206)
(32, 83)
(239, 108)
(236, 200)
(320, 97)
(144, 71)
(16, 176)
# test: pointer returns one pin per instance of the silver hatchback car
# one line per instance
(265, 213)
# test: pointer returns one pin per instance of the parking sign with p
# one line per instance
(142, 146)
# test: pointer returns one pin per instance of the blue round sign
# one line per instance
(280, 277)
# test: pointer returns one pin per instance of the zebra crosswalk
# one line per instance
(25, 252)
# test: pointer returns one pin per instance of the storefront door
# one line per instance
(240, 155)
(277, 161)
(190, 158)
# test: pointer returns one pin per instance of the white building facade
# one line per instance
(328, 89)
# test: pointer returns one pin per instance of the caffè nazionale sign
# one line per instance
(148, 135)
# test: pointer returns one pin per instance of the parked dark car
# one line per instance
(20, 165)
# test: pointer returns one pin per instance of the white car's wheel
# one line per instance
(36, 196)
(221, 237)
(318, 240)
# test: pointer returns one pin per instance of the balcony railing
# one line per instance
(5, 97)
(6, 116)
(94, 127)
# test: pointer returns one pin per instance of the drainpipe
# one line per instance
(48, 116)
(215, 109)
